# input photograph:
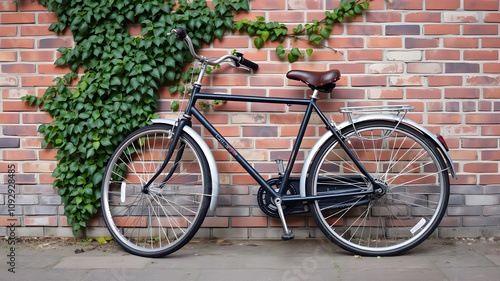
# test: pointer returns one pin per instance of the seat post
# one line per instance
(315, 94)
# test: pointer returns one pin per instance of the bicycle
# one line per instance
(376, 184)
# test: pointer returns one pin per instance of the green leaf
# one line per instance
(309, 52)
(258, 42)
(325, 32)
(174, 106)
(260, 18)
(264, 35)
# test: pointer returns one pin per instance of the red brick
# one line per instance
(230, 42)
(481, 5)
(423, 17)
(490, 42)
(36, 30)
(37, 118)
(442, 5)
(47, 154)
(19, 130)
(411, 43)
(9, 221)
(9, 18)
(445, 81)
(249, 221)
(384, 42)
(480, 143)
(8, 31)
(405, 5)
(15, 106)
(47, 18)
(8, 6)
(285, 17)
(480, 55)
(248, 15)
(423, 67)
(481, 167)
(9, 118)
(483, 80)
(267, 5)
(55, 43)
(40, 221)
(37, 56)
(382, 16)
(491, 68)
(441, 29)
(32, 6)
(53, 69)
(442, 55)
(490, 155)
(32, 81)
(385, 94)
(462, 93)
(374, 80)
(423, 93)
(270, 81)
(339, 42)
(493, 130)
(327, 56)
(305, 5)
(371, 29)
(492, 17)
(482, 118)
(491, 93)
(12, 43)
(460, 42)
(489, 179)
(376, 55)
(279, 143)
(267, 107)
(216, 222)
(480, 29)
(18, 68)
(18, 155)
(8, 56)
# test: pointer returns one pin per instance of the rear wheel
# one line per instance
(160, 220)
(414, 196)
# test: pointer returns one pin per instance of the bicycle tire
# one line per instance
(164, 219)
(417, 185)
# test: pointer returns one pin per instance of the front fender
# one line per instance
(371, 117)
(214, 173)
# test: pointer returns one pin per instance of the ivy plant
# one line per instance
(118, 90)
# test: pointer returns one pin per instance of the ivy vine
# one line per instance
(122, 75)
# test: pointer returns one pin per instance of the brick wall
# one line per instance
(440, 56)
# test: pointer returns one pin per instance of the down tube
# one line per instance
(251, 171)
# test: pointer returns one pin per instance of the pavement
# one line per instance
(315, 259)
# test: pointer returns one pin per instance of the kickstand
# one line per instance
(287, 234)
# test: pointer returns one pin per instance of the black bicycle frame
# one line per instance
(311, 105)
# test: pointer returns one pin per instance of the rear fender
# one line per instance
(372, 117)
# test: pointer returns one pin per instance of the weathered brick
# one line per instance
(461, 17)
(402, 29)
(9, 142)
(425, 68)
(404, 55)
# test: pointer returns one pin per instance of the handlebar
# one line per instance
(238, 59)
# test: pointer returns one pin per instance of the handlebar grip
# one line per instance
(180, 33)
(247, 63)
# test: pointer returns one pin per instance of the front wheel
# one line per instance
(413, 199)
(159, 220)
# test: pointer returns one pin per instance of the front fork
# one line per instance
(175, 139)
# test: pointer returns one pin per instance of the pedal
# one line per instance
(281, 169)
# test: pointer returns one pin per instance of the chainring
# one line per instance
(267, 204)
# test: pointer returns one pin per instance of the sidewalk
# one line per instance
(435, 259)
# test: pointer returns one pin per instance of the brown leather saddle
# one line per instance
(323, 81)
